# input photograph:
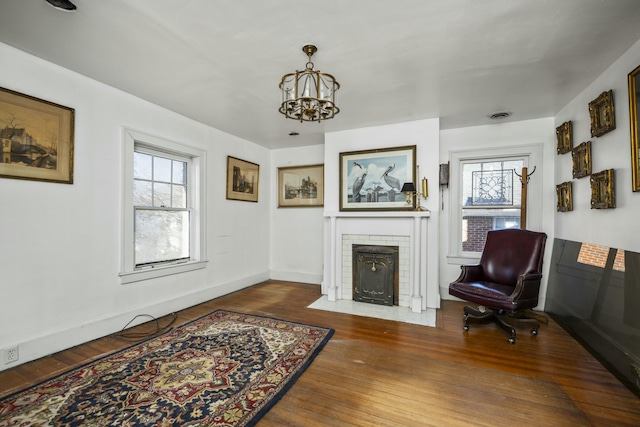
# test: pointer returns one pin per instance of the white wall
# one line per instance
(423, 134)
(297, 243)
(617, 227)
(529, 132)
(60, 244)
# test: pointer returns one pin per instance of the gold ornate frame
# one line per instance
(581, 156)
(603, 190)
(602, 115)
(242, 180)
(301, 186)
(634, 119)
(36, 142)
(564, 137)
(564, 197)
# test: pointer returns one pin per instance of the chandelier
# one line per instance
(309, 95)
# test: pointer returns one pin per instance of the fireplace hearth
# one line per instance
(375, 274)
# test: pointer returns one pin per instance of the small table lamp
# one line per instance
(410, 189)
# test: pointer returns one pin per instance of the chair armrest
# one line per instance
(470, 273)
(528, 287)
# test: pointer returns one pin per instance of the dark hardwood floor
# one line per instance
(383, 373)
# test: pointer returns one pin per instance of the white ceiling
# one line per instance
(220, 62)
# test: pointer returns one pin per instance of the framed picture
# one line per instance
(581, 156)
(242, 180)
(602, 116)
(603, 194)
(565, 198)
(301, 186)
(634, 119)
(372, 179)
(37, 138)
(564, 137)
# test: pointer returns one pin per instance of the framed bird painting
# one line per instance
(372, 180)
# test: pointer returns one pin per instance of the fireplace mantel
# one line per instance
(378, 214)
(412, 224)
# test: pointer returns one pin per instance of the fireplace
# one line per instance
(418, 290)
(375, 274)
(418, 266)
(369, 243)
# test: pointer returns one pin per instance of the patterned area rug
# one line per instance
(224, 369)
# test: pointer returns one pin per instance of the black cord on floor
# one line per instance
(139, 336)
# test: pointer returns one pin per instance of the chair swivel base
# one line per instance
(506, 321)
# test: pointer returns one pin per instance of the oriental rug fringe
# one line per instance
(223, 369)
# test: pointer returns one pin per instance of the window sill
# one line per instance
(152, 273)
(462, 260)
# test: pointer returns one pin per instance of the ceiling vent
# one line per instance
(63, 5)
(499, 115)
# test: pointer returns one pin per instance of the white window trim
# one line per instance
(128, 272)
(533, 155)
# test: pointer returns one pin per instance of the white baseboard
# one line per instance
(291, 276)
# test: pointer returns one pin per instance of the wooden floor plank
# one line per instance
(377, 372)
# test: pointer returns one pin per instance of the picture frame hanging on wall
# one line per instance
(634, 125)
(243, 179)
(36, 141)
(301, 186)
(371, 180)
(603, 194)
(602, 114)
(581, 156)
(564, 197)
(564, 137)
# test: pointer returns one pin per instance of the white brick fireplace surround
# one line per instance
(408, 229)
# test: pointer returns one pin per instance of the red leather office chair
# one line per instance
(505, 283)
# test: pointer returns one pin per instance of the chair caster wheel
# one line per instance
(534, 332)
(512, 340)
(465, 328)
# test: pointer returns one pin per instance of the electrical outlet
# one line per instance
(11, 355)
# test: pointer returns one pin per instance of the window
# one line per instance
(487, 195)
(160, 194)
(163, 225)
(500, 223)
